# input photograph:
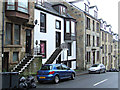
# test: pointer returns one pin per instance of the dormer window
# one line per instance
(63, 10)
(17, 5)
(105, 27)
(86, 8)
(95, 14)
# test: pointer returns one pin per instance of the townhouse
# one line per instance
(18, 31)
(88, 29)
(54, 34)
(115, 51)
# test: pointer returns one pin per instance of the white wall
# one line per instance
(50, 36)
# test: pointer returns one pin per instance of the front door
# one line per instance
(5, 62)
(58, 43)
(94, 57)
(28, 41)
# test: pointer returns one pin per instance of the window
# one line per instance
(97, 25)
(8, 34)
(64, 67)
(58, 24)
(43, 48)
(88, 57)
(103, 62)
(93, 40)
(97, 55)
(11, 5)
(102, 36)
(105, 37)
(69, 49)
(63, 10)
(88, 40)
(23, 6)
(67, 26)
(95, 14)
(93, 25)
(15, 56)
(18, 5)
(86, 8)
(16, 34)
(88, 23)
(103, 49)
(42, 22)
(58, 67)
(12, 35)
(97, 41)
(46, 67)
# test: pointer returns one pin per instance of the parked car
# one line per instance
(97, 68)
(54, 72)
(112, 70)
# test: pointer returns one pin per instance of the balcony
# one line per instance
(17, 11)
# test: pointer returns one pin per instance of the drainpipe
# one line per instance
(3, 13)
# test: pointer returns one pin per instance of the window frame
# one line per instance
(16, 6)
(59, 24)
(43, 27)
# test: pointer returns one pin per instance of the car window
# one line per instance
(95, 65)
(58, 67)
(46, 67)
(64, 67)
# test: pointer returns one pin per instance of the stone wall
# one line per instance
(33, 67)
(80, 34)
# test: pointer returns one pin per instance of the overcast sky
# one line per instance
(108, 11)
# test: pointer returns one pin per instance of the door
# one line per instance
(58, 43)
(94, 57)
(6, 61)
(28, 41)
(58, 39)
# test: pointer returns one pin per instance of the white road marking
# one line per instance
(100, 82)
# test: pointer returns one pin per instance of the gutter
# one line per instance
(3, 13)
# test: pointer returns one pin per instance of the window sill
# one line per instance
(12, 46)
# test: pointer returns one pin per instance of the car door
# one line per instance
(64, 71)
(59, 70)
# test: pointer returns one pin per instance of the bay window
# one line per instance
(18, 5)
(67, 26)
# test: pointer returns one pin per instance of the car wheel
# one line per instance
(73, 76)
(100, 71)
(56, 79)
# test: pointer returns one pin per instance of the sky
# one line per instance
(108, 11)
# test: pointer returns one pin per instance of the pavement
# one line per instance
(81, 73)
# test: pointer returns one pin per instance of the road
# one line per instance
(104, 80)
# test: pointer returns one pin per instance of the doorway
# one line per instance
(94, 57)
(28, 41)
(58, 43)
(6, 62)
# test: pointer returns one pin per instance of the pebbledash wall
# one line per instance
(50, 36)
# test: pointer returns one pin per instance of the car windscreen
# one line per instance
(95, 65)
(46, 67)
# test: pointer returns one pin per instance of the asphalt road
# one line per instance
(104, 80)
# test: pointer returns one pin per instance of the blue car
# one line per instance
(54, 72)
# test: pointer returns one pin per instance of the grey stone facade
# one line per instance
(21, 48)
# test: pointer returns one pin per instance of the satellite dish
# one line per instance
(36, 21)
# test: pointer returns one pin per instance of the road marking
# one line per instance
(100, 82)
